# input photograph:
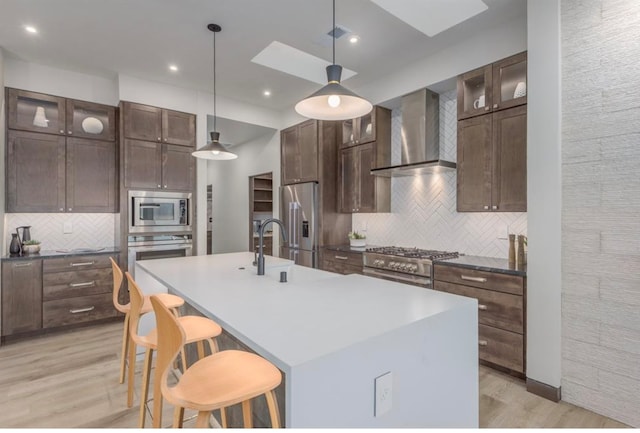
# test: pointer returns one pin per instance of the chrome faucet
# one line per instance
(261, 238)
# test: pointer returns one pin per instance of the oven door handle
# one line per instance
(165, 247)
(149, 205)
(413, 279)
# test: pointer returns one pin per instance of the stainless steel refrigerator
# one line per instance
(299, 213)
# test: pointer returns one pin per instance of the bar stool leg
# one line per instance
(223, 417)
(125, 346)
(146, 373)
(131, 374)
(178, 416)
(203, 419)
(274, 413)
(247, 417)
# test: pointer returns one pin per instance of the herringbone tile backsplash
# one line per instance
(423, 208)
(89, 230)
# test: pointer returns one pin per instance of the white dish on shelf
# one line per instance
(521, 90)
(91, 125)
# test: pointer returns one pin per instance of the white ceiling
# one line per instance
(141, 37)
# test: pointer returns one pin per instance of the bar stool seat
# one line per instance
(197, 329)
(214, 382)
(173, 302)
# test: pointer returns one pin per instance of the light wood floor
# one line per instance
(71, 380)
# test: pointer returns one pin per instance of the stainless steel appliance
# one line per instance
(157, 211)
(406, 265)
(299, 213)
(151, 247)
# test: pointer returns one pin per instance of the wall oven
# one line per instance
(158, 211)
(151, 247)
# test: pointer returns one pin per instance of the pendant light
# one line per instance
(214, 149)
(333, 101)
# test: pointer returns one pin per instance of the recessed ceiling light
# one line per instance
(354, 39)
(267, 93)
(31, 29)
(173, 68)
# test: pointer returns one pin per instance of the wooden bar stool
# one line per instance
(171, 301)
(197, 329)
(214, 382)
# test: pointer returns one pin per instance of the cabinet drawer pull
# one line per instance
(482, 342)
(342, 258)
(82, 310)
(22, 265)
(87, 284)
(476, 279)
(482, 307)
(82, 264)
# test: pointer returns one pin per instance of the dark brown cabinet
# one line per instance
(35, 172)
(148, 123)
(38, 112)
(498, 86)
(21, 296)
(299, 153)
(501, 311)
(158, 166)
(341, 262)
(358, 189)
(492, 162)
(69, 168)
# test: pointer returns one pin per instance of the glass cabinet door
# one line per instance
(348, 132)
(367, 128)
(474, 92)
(30, 111)
(510, 82)
(89, 120)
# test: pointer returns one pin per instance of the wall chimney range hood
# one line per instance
(420, 137)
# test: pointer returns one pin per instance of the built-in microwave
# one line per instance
(158, 211)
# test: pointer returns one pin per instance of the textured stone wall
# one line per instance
(601, 206)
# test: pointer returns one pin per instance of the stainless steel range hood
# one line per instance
(420, 137)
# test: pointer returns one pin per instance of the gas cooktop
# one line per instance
(414, 253)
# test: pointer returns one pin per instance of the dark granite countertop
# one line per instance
(52, 254)
(490, 264)
(347, 248)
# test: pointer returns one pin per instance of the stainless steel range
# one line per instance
(407, 265)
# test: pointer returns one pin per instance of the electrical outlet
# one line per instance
(67, 227)
(384, 393)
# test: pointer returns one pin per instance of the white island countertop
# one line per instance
(319, 318)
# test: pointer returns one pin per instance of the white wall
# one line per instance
(601, 207)
(544, 192)
(230, 180)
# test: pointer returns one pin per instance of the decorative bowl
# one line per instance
(91, 125)
(358, 242)
(31, 249)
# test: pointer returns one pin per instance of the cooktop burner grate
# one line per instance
(413, 253)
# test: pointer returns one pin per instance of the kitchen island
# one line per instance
(333, 335)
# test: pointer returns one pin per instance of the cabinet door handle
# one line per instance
(159, 186)
(70, 132)
(165, 140)
(61, 209)
(82, 264)
(87, 284)
(494, 207)
(495, 105)
(70, 209)
(82, 310)
(486, 207)
(62, 131)
(476, 279)
(22, 265)
(165, 186)
(341, 257)
(486, 108)
(482, 342)
(159, 139)
(482, 307)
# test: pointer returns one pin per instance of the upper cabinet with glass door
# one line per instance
(38, 112)
(359, 131)
(493, 87)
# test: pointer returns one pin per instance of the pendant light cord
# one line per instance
(214, 81)
(333, 32)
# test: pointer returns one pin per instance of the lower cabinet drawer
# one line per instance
(341, 267)
(77, 310)
(502, 348)
(61, 285)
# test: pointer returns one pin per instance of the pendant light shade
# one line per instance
(333, 101)
(214, 149)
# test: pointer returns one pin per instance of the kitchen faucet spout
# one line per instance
(261, 238)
